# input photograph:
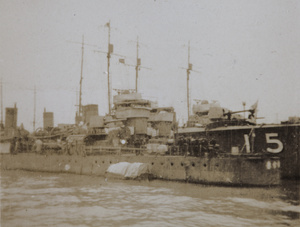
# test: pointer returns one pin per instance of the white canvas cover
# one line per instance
(128, 170)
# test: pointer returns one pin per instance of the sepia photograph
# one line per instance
(150, 113)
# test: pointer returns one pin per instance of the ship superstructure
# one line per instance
(134, 121)
(239, 135)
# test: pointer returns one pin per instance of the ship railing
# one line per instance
(101, 150)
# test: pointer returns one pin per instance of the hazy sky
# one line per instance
(244, 51)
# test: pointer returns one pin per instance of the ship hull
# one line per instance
(230, 170)
(276, 140)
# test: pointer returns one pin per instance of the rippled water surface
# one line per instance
(42, 199)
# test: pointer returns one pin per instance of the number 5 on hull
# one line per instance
(273, 140)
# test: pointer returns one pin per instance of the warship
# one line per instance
(138, 139)
(235, 133)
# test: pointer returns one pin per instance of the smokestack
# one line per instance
(48, 119)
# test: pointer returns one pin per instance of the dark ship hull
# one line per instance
(227, 170)
(277, 140)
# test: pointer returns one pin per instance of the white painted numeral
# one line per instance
(276, 141)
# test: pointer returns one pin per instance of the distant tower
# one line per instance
(11, 116)
(48, 119)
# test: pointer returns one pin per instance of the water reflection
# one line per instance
(39, 199)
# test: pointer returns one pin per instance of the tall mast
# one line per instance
(108, 53)
(81, 77)
(110, 50)
(138, 63)
(188, 71)
(137, 66)
(34, 107)
(79, 106)
(188, 82)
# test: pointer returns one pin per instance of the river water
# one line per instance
(44, 199)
